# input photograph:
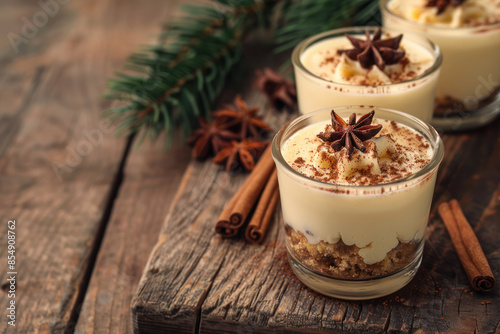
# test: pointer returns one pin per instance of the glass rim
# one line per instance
(383, 7)
(304, 44)
(437, 156)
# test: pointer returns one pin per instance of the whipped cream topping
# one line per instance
(470, 13)
(322, 60)
(395, 153)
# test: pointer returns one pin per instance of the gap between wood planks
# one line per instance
(94, 250)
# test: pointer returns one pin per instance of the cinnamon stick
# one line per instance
(251, 189)
(257, 228)
(236, 211)
(223, 225)
(473, 248)
(225, 229)
(467, 246)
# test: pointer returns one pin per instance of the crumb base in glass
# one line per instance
(343, 261)
(350, 289)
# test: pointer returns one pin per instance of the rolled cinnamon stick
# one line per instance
(251, 189)
(467, 246)
(236, 211)
(225, 229)
(223, 225)
(486, 282)
(257, 228)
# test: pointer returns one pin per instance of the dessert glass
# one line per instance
(469, 83)
(415, 96)
(393, 214)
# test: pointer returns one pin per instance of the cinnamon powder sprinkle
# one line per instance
(401, 153)
(299, 161)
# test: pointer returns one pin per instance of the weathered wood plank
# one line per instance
(181, 268)
(198, 282)
(183, 251)
(58, 209)
(150, 179)
(60, 163)
(16, 93)
(151, 176)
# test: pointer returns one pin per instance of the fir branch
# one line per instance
(176, 81)
(172, 84)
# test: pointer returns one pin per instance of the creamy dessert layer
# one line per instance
(367, 67)
(371, 221)
(323, 60)
(396, 152)
(469, 13)
(468, 33)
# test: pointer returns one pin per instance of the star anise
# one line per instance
(351, 134)
(374, 51)
(210, 138)
(442, 4)
(241, 153)
(280, 92)
(249, 125)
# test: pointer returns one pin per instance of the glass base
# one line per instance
(469, 120)
(355, 289)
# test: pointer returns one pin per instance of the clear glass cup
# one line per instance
(468, 92)
(415, 96)
(328, 226)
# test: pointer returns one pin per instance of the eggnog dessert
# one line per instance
(468, 33)
(367, 66)
(356, 189)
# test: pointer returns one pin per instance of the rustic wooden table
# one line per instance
(89, 209)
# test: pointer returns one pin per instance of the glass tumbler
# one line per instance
(414, 96)
(332, 229)
(468, 90)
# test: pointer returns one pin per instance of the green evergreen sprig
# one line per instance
(172, 84)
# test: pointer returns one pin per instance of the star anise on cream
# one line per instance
(279, 92)
(238, 154)
(244, 118)
(210, 138)
(374, 51)
(351, 134)
(442, 4)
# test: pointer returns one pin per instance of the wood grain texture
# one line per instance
(151, 177)
(150, 180)
(59, 163)
(197, 282)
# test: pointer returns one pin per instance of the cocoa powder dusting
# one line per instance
(299, 161)
(404, 151)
